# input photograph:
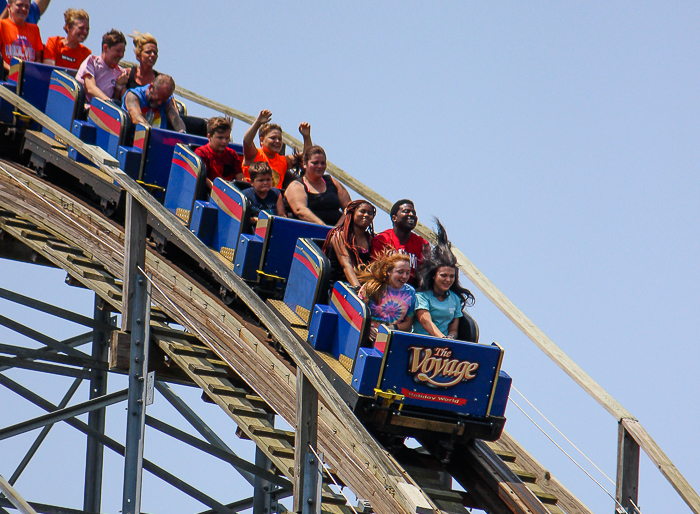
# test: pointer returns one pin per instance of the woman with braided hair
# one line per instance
(348, 246)
(385, 290)
(440, 298)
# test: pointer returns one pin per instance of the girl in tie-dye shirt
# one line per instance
(390, 299)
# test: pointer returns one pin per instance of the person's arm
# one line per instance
(133, 107)
(42, 5)
(341, 252)
(344, 198)
(281, 211)
(49, 53)
(174, 116)
(406, 324)
(296, 196)
(305, 131)
(93, 90)
(425, 319)
(452, 328)
(249, 149)
(120, 86)
(342, 194)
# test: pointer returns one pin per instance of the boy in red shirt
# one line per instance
(400, 237)
(220, 160)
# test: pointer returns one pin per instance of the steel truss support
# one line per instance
(264, 499)
(136, 318)
(63, 414)
(627, 470)
(307, 468)
(92, 497)
(116, 447)
(200, 426)
(136, 417)
(48, 352)
(42, 435)
(248, 471)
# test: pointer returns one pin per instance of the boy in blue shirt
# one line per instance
(262, 196)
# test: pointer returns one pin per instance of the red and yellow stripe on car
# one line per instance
(226, 203)
(346, 310)
(303, 257)
(64, 88)
(185, 163)
(105, 121)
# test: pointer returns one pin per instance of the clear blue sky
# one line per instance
(558, 142)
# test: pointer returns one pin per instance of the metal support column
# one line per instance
(627, 470)
(92, 499)
(136, 317)
(264, 501)
(307, 469)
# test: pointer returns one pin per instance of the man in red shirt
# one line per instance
(401, 237)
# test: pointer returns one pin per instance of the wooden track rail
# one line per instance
(534, 333)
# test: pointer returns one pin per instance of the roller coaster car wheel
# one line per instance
(38, 165)
(391, 442)
(228, 297)
(108, 207)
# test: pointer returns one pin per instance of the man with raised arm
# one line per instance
(401, 237)
(36, 9)
(153, 104)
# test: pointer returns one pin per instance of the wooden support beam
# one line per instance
(14, 497)
(307, 486)
(627, 470)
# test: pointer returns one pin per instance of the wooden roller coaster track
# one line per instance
(233, 362)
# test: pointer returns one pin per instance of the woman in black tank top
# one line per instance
(146, 50)
(316, 197)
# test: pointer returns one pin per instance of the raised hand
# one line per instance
(264, 117)
(305, 129)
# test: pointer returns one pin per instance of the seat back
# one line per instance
(157, 147)
(232, 216)
(16, 70)
(65, 100)
(440, 373)
(467, 330)
(353, 324)
(33, 82)
(308, 278)
(279, 240)
(111, 125)
(187, 175)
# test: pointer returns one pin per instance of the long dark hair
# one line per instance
(347, 233)
(436, 257)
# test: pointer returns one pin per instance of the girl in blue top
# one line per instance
(440, 298)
